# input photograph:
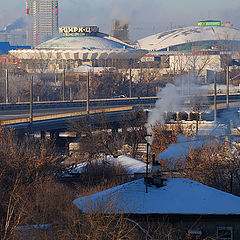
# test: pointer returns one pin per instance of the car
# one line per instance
(120, 96)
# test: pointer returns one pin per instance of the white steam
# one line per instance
(175, 98)
(183, 95)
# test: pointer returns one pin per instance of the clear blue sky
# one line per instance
(145, 16)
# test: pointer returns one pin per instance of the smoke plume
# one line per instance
(182, 95)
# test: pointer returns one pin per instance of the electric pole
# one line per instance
(215, 97)
(227, 83)
(6, 100)
(87, 106)
(147, 167)
(63, 84)
(31, 101)
(130, 82)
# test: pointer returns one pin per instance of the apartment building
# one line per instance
(42, 20)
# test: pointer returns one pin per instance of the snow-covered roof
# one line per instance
(130, 164)
(88, 68)
(75, 47)
(178, 151)
(178, 196)
(184, 35)
(182, 147)
(82, 42)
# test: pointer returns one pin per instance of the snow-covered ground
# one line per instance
(178, 196)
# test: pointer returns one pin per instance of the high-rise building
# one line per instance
(42, 20)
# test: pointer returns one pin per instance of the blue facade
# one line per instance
(5, 47)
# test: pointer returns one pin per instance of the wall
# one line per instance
(199, 63)
(207, 224)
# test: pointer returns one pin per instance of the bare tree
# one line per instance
(22, 163)
(216, 165)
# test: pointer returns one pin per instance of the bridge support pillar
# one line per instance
(21, 135)
(124, 130)
(165, 116)
(78, 135)
(54, 135)
(43, 135)
(114, 130)
(177, 116)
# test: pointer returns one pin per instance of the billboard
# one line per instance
(79, 30)
(209, 23)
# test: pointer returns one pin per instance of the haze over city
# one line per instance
(145, 17)
(120, 119)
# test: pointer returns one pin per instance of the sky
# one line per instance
(144, 16)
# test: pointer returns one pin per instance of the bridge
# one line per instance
(62, 122)
(11, 111)
(57, 116)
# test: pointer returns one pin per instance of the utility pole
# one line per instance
(70, 94)
(31, 101)
(87, 104)
(231, 182)
(227, 83)
(130, 81)
(147, 168)
(188, 83)
(63, 86)
(215, 97)
(55, 77)
(6, 85)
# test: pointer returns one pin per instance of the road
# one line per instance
(18, 114)
(19, 111)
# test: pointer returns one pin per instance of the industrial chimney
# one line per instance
(120, 30)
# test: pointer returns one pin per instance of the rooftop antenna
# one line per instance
(147, 161)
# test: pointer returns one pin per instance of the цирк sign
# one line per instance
(89, 29)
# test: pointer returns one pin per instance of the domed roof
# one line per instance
(101, 46)
(103, 42)
(184, 35)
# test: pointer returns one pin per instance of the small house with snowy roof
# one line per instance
(197, 210)
(134, 168)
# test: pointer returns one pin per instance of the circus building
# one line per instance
(77, 46)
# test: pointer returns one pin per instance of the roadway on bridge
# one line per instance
(18, 114)
(19, 111)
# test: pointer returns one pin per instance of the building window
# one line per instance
(224, 233)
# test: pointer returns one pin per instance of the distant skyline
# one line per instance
(145, 16)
